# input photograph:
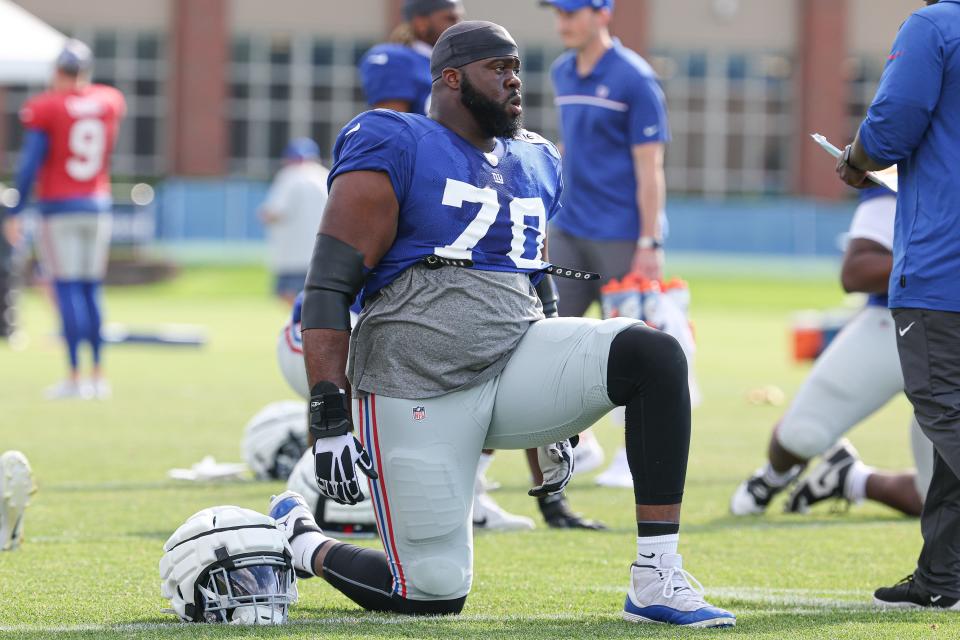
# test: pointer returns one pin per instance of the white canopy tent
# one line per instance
(28, 46)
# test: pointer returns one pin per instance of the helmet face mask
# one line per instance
(275, 438)
(287, 457)
(251, 590)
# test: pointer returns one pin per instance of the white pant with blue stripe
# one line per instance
(426, 451)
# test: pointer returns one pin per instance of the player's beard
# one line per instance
(492, 117)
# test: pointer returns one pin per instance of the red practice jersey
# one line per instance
(81, 127)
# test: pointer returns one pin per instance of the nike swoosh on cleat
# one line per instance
(935, 598)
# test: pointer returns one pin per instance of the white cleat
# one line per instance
(288, 509)
(665, 594)
(490, 516)
(828, 480)
(588, 454)
(100, 389)
(69, 390)
(294, 518)
(618, 474)
(16, 485)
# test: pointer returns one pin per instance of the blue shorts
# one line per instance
(289, 283)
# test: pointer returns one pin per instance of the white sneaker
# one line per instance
(618, 473)
(16, 485)
(69, 390)
(588, 454)
(489, 516)
(482, 484)
(100, 389)
(666, 595)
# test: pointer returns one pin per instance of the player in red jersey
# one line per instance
(70, 133)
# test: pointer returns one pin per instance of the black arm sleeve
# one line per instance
(334, 278)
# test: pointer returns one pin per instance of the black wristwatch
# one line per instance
(845, 158)
(649, 242)
(329, 415)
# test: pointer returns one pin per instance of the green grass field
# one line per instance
(88, 568)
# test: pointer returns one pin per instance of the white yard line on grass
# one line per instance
(791, 602)
(317, 622)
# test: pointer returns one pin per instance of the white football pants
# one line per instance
(426, 451)
(857, 374)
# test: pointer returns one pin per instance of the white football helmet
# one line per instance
(275, 438)
(344, 520)
(228, 564)
(290, 359)
(16, 485)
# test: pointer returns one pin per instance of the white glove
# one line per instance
(336, 460)
(556, 465)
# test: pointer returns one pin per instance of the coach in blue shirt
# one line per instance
(914, 122)
(613, 120)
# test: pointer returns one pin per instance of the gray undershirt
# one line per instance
(430, 332)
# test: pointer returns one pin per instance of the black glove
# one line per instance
(337, 453)
(556, 465)
(336, 461)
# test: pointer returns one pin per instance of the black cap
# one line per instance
(413, 8)
(75, 57)
(468, 42)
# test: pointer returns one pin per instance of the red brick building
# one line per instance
(216, 87)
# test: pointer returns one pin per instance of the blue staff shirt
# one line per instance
(619, 104)
(914, 122)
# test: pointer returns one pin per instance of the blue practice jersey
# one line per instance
(455, 201)
(297, 310)
(397, 72)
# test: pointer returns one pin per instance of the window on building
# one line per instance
(288, 86)
(864, 73)
(731, 122)
(297, 85)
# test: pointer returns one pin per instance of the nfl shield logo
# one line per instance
(419, 413)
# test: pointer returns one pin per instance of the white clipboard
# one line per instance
(886, 178)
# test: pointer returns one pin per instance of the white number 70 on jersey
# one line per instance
(457, 193)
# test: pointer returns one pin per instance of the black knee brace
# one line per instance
(647, 373)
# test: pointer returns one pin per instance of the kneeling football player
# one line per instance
(439, 224)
